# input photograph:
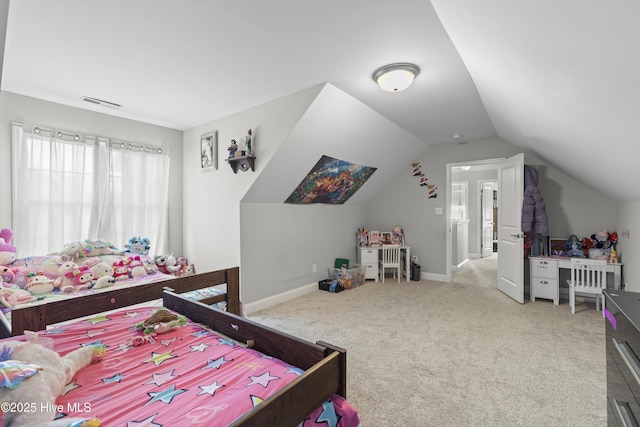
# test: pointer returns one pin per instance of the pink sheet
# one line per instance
(187, 376)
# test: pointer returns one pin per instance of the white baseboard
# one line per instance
(265, 303)
(434, 277)
(459, 266)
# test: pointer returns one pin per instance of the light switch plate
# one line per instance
(438, 211)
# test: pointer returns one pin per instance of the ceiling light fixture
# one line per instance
(395, 77)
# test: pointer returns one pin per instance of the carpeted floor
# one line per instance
(457, 354)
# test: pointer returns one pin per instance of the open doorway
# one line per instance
(479, 227)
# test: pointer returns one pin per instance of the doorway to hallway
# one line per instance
(481, 272)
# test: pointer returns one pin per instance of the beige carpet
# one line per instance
(457, 354)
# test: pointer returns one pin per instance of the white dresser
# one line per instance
(544, 279)
(369, 258)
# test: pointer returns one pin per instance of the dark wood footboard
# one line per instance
(324, 364)
(36, 317)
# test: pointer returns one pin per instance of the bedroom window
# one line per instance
(68, 187)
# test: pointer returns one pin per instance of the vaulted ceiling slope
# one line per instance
(558, 80)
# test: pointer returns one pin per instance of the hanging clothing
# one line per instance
(535, 222)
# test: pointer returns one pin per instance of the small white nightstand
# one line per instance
(544, 279)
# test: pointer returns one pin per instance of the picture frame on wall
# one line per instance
(209, 151)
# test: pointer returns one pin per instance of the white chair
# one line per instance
(390, 259)
(588, 276)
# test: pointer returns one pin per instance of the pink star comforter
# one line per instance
(187, 376)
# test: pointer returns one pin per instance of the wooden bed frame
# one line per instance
(36, 317)
(325, 365)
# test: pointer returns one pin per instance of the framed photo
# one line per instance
(385, 238)
(209, 150)
(558, 246)
(374, 238)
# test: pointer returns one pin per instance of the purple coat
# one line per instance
(534, 209)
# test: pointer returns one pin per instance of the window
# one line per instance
(68, 188)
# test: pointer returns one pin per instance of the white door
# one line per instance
(510, 236)
(487, 219)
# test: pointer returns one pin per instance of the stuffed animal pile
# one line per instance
(599, 245)
(80, 265)
(35, 375)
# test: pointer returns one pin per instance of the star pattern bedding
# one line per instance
(189, 375)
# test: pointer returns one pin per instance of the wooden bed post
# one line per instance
(233, 290)
(330, 348)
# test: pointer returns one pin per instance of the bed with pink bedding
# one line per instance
(217, 369)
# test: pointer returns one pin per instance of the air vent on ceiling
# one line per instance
(101, 102)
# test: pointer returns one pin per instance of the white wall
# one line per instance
(32, 111)
(212, 231)
(274, 243)
(281, 243)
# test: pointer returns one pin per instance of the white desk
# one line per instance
(545, 276)
(369, 256)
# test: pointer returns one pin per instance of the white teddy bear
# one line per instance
(32, 373)
(63, 282)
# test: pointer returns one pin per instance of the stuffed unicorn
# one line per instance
(35, 375)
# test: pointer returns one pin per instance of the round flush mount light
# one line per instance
(395, 77)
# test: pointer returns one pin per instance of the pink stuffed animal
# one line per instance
(120, 270)
(7, 274)
(83, 278)
(136, 267)
(64, 283)
(10, 297)
(7, 250)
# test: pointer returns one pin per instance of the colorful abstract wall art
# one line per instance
(331, 181)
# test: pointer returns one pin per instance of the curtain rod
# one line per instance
(114, 143)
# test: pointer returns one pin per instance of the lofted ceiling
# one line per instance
(558, 79)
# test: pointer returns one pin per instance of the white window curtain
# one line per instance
(68, 188)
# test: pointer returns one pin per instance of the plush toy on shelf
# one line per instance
(31, 372)
(7, 250)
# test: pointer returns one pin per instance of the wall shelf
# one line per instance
(244, 163)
